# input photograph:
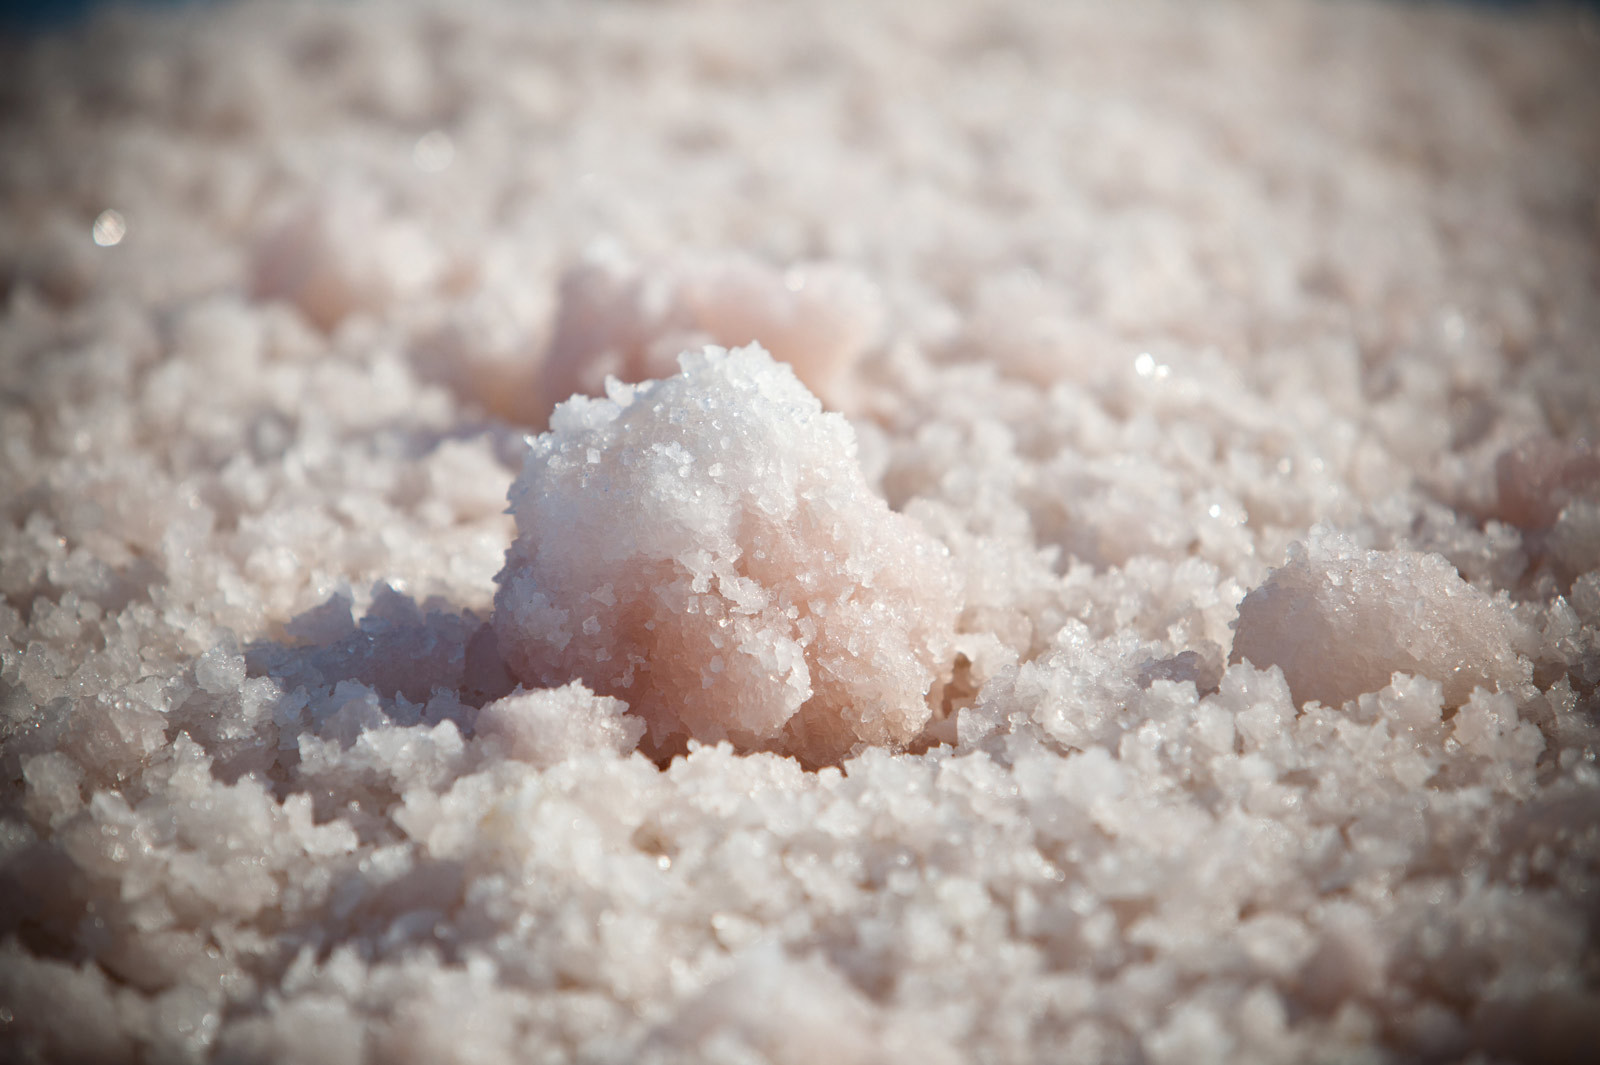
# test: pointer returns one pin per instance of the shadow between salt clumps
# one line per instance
(367, 710)
(358, 712)
(403, 663)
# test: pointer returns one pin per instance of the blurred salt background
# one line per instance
(1107, 568)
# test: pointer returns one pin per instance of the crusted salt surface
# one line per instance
(706, 548)
(1128, 304)
(1339, 621)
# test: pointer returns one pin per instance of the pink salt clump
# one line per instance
(340, 253)
(1340, 621)
(706, 548)
(1537, 478)
(617, 319)
(818, 317)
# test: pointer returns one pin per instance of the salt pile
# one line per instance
(707, 548)
(1089, 549)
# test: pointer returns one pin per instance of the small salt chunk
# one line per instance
(1341, 621)
(550, 726)
(1539, 476)
(221, 669)
(1575, 540)
(54, 785)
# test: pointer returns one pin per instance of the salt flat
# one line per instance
(1107, 568)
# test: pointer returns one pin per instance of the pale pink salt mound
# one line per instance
(616, 318)
(706, 548)
(340, 252)
(818, 317)
(1536, 479)
(1341, 621)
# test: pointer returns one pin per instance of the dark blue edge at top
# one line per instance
(30, 16)
(27, 16)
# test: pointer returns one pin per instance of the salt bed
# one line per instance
(1090, 550)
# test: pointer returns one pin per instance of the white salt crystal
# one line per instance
(220, 669)
(549, 726)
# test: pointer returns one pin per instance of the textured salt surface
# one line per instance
(1173, 637)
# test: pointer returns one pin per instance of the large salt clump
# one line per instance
(706, 548)
(1341, 622)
